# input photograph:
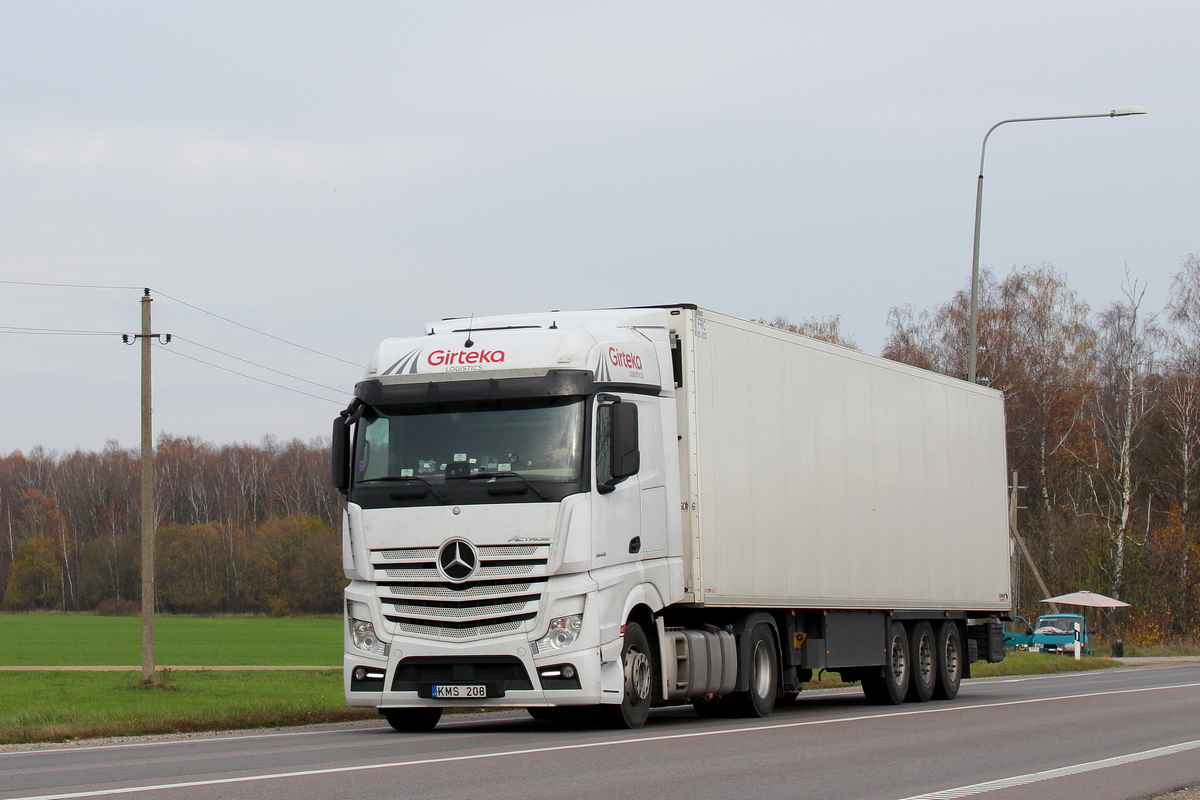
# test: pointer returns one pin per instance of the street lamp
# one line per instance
(973, 351)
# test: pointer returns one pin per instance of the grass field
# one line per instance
(48, 706)
(74, 640)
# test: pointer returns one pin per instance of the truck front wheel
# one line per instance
(412, 720)
(639, 680)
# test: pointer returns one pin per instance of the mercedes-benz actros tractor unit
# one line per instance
(598, 512)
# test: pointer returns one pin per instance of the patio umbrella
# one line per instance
(1086, 598)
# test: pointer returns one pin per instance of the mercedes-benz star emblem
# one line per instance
(458, 560)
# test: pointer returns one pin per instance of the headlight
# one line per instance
(563, 633)
(362, 634)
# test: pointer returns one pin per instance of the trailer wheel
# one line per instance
(890, 684)
(950, 661)
(639, 680)
(412, 720)
(923, 652)
(759, 699)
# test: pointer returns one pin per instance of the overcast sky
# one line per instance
(334, 173)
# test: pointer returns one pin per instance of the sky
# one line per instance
(335, 173)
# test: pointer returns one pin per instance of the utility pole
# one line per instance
(147, 503)
(148, 527)
(1012, 527)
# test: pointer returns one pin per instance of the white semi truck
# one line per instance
(610, 510)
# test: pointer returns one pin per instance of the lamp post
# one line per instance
(973, 346)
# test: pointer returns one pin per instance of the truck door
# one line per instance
(617, 512)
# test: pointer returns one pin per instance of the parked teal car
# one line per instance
(1053, 633)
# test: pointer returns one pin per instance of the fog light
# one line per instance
(359, 674)
(568, 671)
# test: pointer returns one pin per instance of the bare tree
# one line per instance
(1125, 357)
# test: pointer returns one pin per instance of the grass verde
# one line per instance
(56, 705)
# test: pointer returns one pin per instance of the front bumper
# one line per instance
(506, 666)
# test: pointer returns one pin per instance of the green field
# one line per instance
(54, 705)
(47, 706)
(76, 640)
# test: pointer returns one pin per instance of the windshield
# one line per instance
(1055, 625)
(541, 440)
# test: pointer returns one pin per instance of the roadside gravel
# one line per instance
(1191, 793)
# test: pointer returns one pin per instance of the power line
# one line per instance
(254, 364)
(55, 331)
(251, 377)
(184, 303)
(69, 285)
(254, 330)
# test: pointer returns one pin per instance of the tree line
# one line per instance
(1103, 417)
(241, 528)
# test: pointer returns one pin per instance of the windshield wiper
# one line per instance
(405, 479)
(492, 475)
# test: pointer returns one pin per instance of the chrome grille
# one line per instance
(417, 599)
(459, 633)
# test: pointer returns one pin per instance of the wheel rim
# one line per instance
(925, 659)
(637, 675)
(950, 658)
(762, 670)
(899, 663)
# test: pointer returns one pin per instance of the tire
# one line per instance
(412, 720)
(950, 661)
(759, 699)
(638, 662)
(889, 686)
(923, 651)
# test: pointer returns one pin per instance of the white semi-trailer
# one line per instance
(619, 509)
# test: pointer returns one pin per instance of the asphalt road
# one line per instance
(1103, 735)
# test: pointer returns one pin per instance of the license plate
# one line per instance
(458, 691)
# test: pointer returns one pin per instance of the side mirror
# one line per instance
(341, 454)
(627, 458)
(617, 454)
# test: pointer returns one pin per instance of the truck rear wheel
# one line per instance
(412, 720)
(923, 651)
(639, 680)
(890, 684)
(949, 658)
(759, 698)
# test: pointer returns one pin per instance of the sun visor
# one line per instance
(555, 383)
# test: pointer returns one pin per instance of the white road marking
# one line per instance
(198, 740)
(584, 745)
(232, 737)
(1061, 772)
